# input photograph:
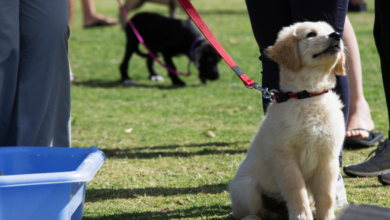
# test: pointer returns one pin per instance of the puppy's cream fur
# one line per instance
(294, 155)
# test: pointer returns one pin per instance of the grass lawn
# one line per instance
(167, 167)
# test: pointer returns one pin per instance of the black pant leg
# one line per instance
(382, 41)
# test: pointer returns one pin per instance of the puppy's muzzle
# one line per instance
(334, 46)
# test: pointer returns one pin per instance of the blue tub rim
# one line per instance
(84, 173)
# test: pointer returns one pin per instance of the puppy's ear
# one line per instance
(214, 53)
(339, 68)
(285, 52)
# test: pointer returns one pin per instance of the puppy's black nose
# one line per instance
(335, 35)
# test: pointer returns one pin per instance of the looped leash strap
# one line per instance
(194, 15)
(141, 40)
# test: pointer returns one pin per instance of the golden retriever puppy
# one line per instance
(293, 159)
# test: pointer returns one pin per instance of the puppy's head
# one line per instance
(309, 45)
(206, 59)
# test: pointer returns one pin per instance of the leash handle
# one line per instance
(195, 17)
(141, 40)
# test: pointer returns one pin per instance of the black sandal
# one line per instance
(371, 140)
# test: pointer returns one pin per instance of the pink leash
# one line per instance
(141, 40)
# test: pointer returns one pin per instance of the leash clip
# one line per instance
(267, 94)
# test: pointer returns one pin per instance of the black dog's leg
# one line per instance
(174, 78)
(131, 46)
(152, 71)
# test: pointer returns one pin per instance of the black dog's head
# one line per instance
(206, 58)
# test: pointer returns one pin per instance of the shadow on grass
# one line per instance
(216, 144)
(200, 211)
(144, 85)
(356, 148)
(118, 83)
(157, 152)
(99, 83)
(145, 155)
(355, 177)
(94, 195)
(368, 186)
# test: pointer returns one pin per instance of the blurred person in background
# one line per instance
(90, 19)
(379, 164)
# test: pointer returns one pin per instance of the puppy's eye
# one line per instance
(311, 34)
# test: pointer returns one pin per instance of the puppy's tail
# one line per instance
(140, 53)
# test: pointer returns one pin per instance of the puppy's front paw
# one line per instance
(330, 216)
(128, 82)
(251, 217)
(301, 216)
(156, 78)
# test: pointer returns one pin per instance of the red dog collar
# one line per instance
(284, 96)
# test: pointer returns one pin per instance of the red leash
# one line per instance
(194, 15)
(273, 95)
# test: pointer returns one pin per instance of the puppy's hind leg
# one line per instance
(152, 71)
(245, 194)
(131, 46)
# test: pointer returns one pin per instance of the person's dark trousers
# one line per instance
(382, 41)
(269, 16)
(34, 73)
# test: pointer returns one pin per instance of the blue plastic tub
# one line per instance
(46, 183)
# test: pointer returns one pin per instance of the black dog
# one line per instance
(170, 37)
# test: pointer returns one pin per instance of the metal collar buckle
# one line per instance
(267, 94)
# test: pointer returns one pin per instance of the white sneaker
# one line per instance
(156, 78)
(341, 194)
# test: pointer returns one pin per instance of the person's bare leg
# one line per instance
(91, 17)
(359, 111)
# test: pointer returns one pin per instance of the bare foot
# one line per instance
(98, 20)
(359, 117)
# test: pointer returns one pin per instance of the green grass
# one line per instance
(167, 167)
